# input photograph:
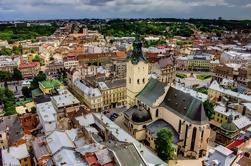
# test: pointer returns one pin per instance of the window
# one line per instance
(143, 80)
(202, 134)
(179, 126)
(157, 113)
(186, 136)
(130, 80)
(193, 139)
(138, 81)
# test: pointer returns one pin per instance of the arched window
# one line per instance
(185, 142)
(157, 113)
(179, 126)
(193, 139)
(138, 81)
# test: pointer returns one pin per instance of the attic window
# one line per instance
(185, 108)
(175, 94)
(184, 99)
(176, 104)
(168, 99)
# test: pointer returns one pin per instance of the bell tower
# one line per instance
(137, 71)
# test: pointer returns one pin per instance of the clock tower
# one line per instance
(137, 71)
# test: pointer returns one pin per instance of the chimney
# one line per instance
(244, 110)
(226, 105)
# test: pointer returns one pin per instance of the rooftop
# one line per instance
(50, 83)
(185, 105)
(215, 86)
(120, 135)
(151, 92)
(89, 91)
(15, 154)
(64, 99)
(123, 136)
(132, 156)
(47, 111)
(28, 65)
(159, 124)
(39, 147)
(14, 127)
(221, 155)
(57, 140)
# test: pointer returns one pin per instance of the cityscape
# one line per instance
(144, 87)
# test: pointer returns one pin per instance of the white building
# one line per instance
(64, 99)
(14, 155)
(47, 115)
(220, 156)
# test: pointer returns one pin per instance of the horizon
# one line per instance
(124, 9)
(124, 18)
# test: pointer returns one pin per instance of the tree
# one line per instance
(36, 58)
(26, 91)
(6, 51)
(164, 144)
(41, 76)
(8, 99)
(5, 75)
(17, 75)
(209, 108)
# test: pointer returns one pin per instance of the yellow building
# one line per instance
(113, 93)
(197, 62)
(137, 72)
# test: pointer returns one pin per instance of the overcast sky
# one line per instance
(53, 9)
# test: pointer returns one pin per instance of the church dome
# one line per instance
(229, 126)
(141, 116)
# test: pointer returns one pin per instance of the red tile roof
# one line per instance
(235, 144)
(91, 159)
(28, 65)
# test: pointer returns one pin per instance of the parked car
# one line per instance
(115, 115)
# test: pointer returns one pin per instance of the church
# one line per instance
(154, 105)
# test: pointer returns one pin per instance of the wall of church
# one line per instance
(190, 145)
(138, 130)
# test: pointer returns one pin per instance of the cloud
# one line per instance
(120, 8)
(247, 5)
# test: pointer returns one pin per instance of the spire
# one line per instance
(137, 53)
(230, 118)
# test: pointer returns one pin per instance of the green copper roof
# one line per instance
(229, 127)
(151, 92)
(137, 54)
(51, 83)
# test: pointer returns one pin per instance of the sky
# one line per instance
(67, 9)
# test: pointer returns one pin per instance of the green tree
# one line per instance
(5, 75)
(36, 58)
(26, 91)
(209, 108)
(8, 99)
(38, 78)
(17, 50)
(6, 51)
(17, 75)
(164, 144)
